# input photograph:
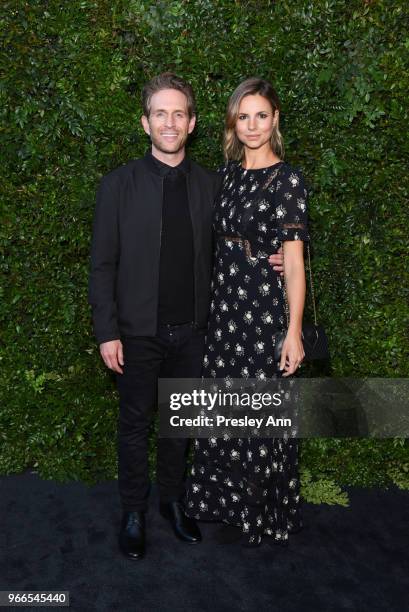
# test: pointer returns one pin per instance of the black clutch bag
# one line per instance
(314, 338)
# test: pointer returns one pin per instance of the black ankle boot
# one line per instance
(132, 535)
(185, 528)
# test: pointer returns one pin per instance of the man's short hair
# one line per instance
(167, 80)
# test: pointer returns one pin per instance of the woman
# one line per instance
(253, 483)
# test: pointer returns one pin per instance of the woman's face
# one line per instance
(255, 121)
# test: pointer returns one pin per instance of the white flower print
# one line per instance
(267, 317)
(242, 293)
(239, 349)
(228, 381)
(220, 362)
(264, 288)
(262, 450)
(294, 180)
(223, 306)
(203, 506)
(234, 455)
(218, 334)
(248, 317)
(212, 442)
(292, 484)
(232, 326)
(263, 206)
(247, 278)
(288, 196)
(235, 497)
(259, 347)
(244, 372)
(262, 228)
(196, 487)
(280, 211)
(260, 374)
(301, 204)
(220, 278)
(234, 268)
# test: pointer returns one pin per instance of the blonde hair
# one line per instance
(232, 147)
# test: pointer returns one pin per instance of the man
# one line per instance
(151, 263)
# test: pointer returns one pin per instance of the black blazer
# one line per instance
(124, 277)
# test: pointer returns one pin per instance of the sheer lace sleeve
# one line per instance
(291, 206)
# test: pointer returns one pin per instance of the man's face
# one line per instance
(168, 124)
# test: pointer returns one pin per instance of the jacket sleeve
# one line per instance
(104, 264)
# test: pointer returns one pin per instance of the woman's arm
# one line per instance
(293, 352)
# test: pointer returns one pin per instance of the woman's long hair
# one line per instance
(232, 147)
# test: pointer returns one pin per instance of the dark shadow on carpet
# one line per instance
(64, 537)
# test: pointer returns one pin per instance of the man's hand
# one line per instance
(112, 354)
(277, 261)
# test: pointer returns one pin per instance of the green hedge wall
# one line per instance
(70, 109)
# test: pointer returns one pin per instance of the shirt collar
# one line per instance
(166, 170)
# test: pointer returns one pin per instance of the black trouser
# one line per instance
(175, 352)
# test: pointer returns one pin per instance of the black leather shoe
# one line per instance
(185, 528)
(132, 535)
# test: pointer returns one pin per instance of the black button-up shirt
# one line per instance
(176, 273)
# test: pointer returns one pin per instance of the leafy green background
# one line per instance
(70, 109)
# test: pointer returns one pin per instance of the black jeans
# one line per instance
(175, 352)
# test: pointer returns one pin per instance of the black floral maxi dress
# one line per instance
(249, 482)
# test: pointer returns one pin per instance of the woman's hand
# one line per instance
(292, 353)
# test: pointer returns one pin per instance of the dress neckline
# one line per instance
(259, 169)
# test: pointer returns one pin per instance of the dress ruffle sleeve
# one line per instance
(291, 206)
